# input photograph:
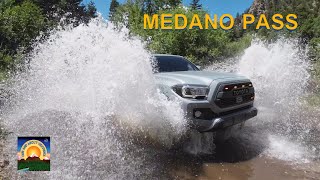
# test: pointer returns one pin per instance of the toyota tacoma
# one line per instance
(212, 101)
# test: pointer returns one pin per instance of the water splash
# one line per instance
(280, 74)
(92, 90)
(287, 150)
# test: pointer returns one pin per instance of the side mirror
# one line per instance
(199, 67)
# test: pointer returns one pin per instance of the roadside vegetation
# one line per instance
(200, 46)
(207, 46)
(22, 21)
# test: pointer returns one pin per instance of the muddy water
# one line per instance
(233, 160)
(237, 161)
(244, 156)
(257, 168)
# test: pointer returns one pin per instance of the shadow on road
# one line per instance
(241, 147)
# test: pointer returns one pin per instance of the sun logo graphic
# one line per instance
(33, 153)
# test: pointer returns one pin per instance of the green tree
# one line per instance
(113, 8)
(73, 10)
(164, 4)
(174, 3)
(149, 7)
(200, 46)
(91, 11)
(21, 21)
(19, 25)
(195, 4)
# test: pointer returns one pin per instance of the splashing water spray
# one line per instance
(88, 88)
(92, 90)
(280, 74)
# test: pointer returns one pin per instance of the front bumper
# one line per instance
(222, 122)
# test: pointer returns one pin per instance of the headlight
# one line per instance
(192, 91)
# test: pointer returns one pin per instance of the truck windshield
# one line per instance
(173, 63)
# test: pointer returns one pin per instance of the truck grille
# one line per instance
(234, 94)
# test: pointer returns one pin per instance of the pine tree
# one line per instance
(91, 12)
(148, 7)
(73, 10)
(195, 4)
(91, 9)
(113, 7)
(174, 3)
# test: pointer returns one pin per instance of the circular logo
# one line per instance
(33, 149)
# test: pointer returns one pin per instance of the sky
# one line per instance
(213, 6)
(44, 140)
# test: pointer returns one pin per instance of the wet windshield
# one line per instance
(173, 63)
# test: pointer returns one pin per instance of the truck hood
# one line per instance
(195, 77)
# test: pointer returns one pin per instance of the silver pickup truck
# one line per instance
(212, 101)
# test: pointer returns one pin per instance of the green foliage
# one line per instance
(113, 6)
(148, 7)
(21, 21)
(90, 12)
(73, 10)
(200, 46)
(173, 3)
(315, 56)
(195, 4)
(5, 4)
(238, 46)
(18, 26)
(315, 50)
(306, 10)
